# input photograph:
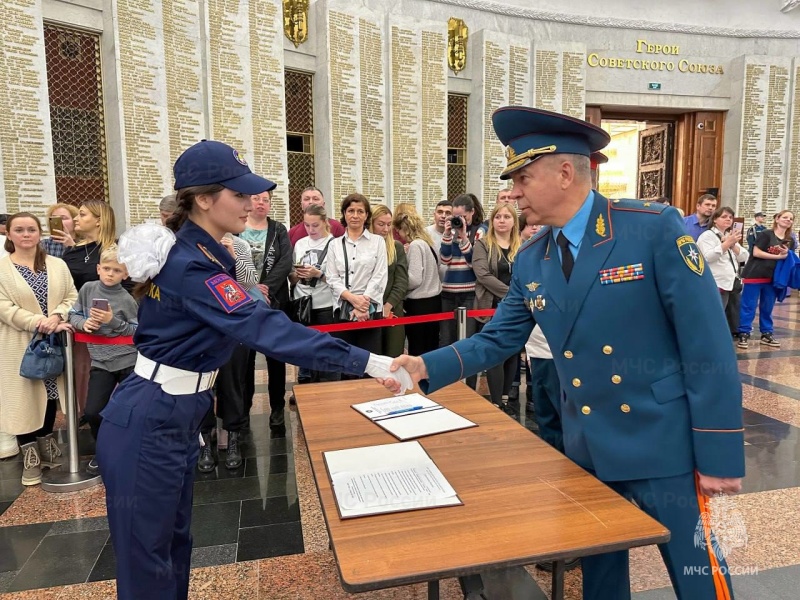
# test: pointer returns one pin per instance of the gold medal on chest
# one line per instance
(539, 303)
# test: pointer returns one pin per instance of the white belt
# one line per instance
(174, 381)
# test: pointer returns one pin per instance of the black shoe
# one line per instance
(768, 340)
(276, 418)
(206, 463)
(569, 565)
(513, 394)
(234, 458)
(292, 400)
(743, 341)
(93, 468)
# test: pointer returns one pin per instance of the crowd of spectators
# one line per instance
(370, 262)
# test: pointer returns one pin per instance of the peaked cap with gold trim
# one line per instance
(530, 133)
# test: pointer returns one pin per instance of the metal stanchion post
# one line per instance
(461, 323)
(76, 478)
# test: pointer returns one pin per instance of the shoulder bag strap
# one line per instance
(346, 264)
(269, 242)
(313, 283)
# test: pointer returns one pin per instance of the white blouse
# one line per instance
(367, 263)
(724, 266)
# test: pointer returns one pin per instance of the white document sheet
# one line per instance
(412, 416)
(388, 478)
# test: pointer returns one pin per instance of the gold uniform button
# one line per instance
(586, 410)
(616, 379)
(576, 382)
(607, 349)
(568, 354)
(625, 408)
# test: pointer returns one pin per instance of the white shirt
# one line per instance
(366, 258)
(723, 265)
(308, 252)
(2, 246)
(537, 346)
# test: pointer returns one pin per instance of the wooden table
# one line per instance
(524, 502)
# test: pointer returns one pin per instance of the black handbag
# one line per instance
(299, 310)
(43, 358)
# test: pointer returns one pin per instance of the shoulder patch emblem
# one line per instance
(691, 254)
(228, 293)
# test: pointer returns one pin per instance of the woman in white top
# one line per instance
(724, 254)
(357, 272)
(308, 277)
(424, 286)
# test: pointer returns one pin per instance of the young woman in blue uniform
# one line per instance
(193, 314)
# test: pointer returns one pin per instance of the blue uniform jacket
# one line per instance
(195, 313)
(650, 385)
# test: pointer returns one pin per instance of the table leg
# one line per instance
(433, 590)
(558, 580)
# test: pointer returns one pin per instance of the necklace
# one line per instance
(88, 254)
(504, 255)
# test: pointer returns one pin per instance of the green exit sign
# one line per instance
(653, 86)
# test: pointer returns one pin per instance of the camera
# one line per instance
(456, 222)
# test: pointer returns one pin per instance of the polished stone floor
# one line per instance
(259, 533)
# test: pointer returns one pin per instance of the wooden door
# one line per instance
(654, 174)
(699, 158)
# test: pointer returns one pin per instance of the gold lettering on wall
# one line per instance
(183, 76)
(28, 179)
(793, 180)
(373, 111)
(495, 89)
(434, 120)
(406, 146)
(268, 109)
(141, 74)
(344, 96)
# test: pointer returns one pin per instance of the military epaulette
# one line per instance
(541, 234)
(642, 206)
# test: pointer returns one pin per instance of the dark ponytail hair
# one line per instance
(184, 199)
(471, 202)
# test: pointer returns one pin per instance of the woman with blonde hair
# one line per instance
(96, 226)
(308, 278)
(60, 239)
(492, 261)
(397, 281)
(424, 285)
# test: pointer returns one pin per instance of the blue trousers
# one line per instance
(147, 449)
(545, 392)
(761, 295)
(691, 562)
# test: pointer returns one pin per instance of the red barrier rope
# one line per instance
(352, 325)
(343, 326)
(104, 341)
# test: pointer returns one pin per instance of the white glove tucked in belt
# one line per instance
(378, 366)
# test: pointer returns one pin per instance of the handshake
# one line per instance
(397, 375)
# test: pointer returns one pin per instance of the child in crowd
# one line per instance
(105, 308)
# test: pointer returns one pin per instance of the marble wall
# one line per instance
(27, 177)
(179, 70)
(758, 129)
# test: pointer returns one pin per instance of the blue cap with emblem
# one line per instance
(530, 133)
(209, 162)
